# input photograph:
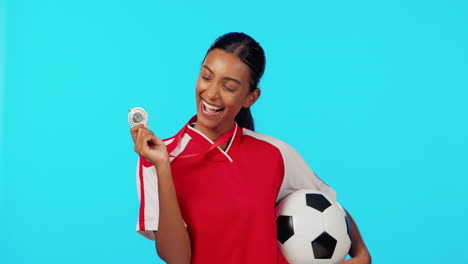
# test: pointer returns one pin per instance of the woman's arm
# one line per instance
(358, 252)
(172, 239)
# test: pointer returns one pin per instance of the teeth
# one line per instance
(211, 107)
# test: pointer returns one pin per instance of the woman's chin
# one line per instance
(207, 121)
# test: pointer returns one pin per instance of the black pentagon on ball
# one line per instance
(284, 228)
(317, 201)
(323, 246)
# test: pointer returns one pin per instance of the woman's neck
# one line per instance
(213, 134)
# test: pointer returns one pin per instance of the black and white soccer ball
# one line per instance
(312, 228)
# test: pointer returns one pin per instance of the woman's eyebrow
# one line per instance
(232, 79)
(208, 68)
(225, 78)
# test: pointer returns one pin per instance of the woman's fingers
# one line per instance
(144, 139)
(134, 130)
(148, 145)
(154, 140)
(140, 129)
(137, 140)
(157, 140)
(139, 145)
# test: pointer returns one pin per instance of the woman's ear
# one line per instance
(252, 98)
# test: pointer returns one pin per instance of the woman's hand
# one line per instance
(358, 252)
(358, 260)
(148, 145)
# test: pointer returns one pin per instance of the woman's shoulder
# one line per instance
(281, 145)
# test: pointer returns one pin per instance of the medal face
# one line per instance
(137, 116)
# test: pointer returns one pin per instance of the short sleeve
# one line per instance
(147, 188)
(298, 175)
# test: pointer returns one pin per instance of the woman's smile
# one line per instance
(210, 109)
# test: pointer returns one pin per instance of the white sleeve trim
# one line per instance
(151, 201)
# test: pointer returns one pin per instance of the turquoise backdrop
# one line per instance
(373, 94)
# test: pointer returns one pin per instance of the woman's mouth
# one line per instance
(209, 109)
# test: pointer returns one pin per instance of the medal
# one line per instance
(137, 116)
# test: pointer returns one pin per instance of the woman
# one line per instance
(228, 178)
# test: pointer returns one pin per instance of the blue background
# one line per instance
(373, 95)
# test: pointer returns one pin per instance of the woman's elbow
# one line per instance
(172, 255)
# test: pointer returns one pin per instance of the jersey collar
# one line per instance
(229, 136)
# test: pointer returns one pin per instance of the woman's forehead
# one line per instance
(224, 63)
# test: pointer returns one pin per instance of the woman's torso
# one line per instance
(228, 199)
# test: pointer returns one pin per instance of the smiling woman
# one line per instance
(240, 62)
(208, 194)
(223, 89)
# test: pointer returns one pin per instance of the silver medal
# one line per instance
(137, 116)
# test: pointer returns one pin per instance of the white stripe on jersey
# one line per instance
(151, 208)
(180, 147)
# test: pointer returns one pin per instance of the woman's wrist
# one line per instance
(163, 163)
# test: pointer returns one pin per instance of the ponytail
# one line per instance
(244, 119)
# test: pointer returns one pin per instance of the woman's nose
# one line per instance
(212, 91)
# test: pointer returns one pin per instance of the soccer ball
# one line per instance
(312, 228)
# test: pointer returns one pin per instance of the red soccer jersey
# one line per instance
(227, 198)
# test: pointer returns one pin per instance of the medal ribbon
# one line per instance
(223, 139)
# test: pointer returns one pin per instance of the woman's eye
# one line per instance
(205, 77)
(228, 89)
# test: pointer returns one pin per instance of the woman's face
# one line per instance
(223, 88)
